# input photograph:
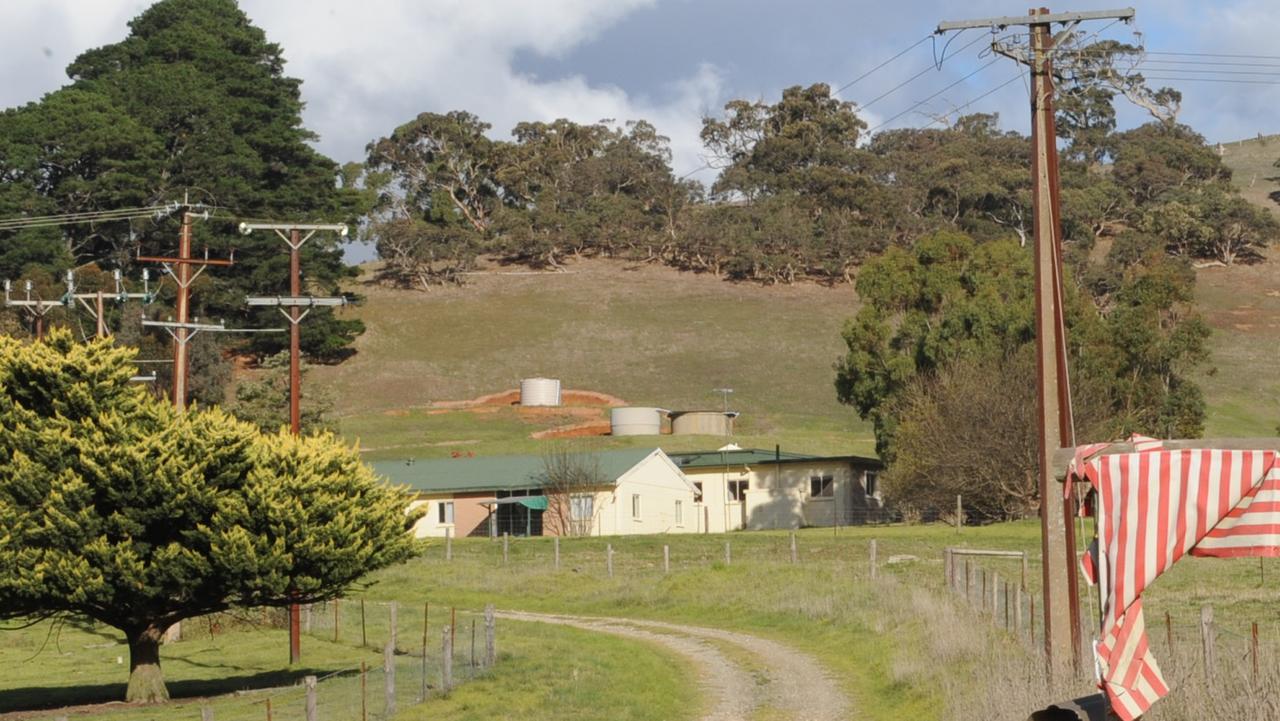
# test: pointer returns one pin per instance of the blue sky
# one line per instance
(369, 66)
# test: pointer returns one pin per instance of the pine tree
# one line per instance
(115, 507)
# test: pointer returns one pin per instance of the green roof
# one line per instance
(757, 456)
(491, 473)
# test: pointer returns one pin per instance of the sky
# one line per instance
(372, 65)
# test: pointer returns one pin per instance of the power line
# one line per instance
(957, 109)
(904, 83)
(861, 77)
(931, 97)
(1214, 80)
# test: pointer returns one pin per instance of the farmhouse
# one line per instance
(756, 489)
(640, 491)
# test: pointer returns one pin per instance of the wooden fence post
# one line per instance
(1168, 632)
(392, 610)
(794, 557)
(335, 619)
(947, 570)
(995, 598)
(389, 676)
(364, 691)
(268, 708)
(557, 545)
(608, 558)
(206, 713)
(364, 636)
(446, 660)
(310, 682)
(1207, 641)
(1253, 651)
(426, 618)
(968, 582)
(873, 558)
(506, 542)
(473, 642)
(982, 595)
(448, 544)
(490, 636)
(666, 558)
(728, 554)
(959, 513)
(1017, 610)
(1024, 570)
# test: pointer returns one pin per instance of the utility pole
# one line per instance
(121, 295)
(292, 306)
(184, 277)
(1062, 634)
(35, 307)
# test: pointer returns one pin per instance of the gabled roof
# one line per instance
(759, 457)
(493, 473)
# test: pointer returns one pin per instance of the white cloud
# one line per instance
(370, 66)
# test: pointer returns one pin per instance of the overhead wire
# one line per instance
(863, 76)
(913, 78)
(918, 103)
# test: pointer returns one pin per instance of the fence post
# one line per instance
(1253, 651)
(473, 643)
(453, 625)
(506, 541)
(1031, 617)
(364, 691)
(1017, 610)
(1168, 632)
(666, 558)
(794, 557)
(490, 636)
(995, 598)
(608, 558)
(335, 619)
(557, 544)
(959, 513)
(1207, 641)
(1024, 570)
(392, 612)
(268, 708)
(873, 558)
(446, 660)
(448, 544)
(947, 576)
(364, 636)
(310, 682)
(968, 582)
(426, 616)
(389, 674)
(206, 713)
(728, 554)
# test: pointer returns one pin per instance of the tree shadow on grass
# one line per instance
(37, 698)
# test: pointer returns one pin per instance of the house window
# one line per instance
(697, 491)
(679, 513)
(822, 486)
(635, 505)
(581, 508)
(873, 484)
(738, 490)
(446, 512)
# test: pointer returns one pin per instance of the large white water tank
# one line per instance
(540, 392)
(702, 423)
(635, 421)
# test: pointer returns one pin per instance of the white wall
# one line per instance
(774, 501)
(659, 484)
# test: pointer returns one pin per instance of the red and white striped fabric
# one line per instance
(1154, 506)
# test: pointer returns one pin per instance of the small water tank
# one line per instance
(635, 421)
(702, 423)
(540, 392)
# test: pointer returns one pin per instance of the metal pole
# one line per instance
(183, 312)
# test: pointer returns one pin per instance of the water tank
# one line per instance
(702, 423)
(540, 392)
(635, 421)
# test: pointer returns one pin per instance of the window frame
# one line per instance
(822, 486)
(737, 490)
(635, 506)
(679, 512)
(445, 513)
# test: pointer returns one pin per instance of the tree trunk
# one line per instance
(146, 681)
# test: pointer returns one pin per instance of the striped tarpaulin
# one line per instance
(1153, 507)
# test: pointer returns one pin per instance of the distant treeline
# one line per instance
(802, 191)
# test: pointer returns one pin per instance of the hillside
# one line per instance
(651, 335)
(647, 334)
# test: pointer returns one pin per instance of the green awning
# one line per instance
(533, 503)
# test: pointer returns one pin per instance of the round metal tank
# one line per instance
(635, 421)
(540, 392)
(702, 423)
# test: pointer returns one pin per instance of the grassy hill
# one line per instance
(655, 336)
(647, 334)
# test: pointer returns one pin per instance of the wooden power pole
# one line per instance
(295, 307)
(1062, 636)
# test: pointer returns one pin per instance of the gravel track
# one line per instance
(794, 683)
